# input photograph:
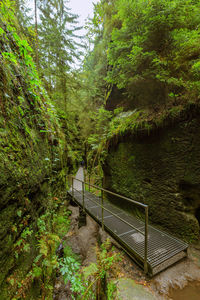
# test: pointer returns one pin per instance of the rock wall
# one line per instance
(31, 149)
(162, 169)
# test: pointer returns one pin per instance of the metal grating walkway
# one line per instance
(163, 249)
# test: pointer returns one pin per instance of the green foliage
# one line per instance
(33, 153)
(93, 89)
(99, 124)
(111, 289)
(107, 125)
(105, 258)
(105, 266)
(24, 18)
(55, 71)
(83, 281)
(70, 268)
(97, 137)
(157, 48)
(51, 227)
(58, 48)
(35, 123)
(150, 51)
(127, 121)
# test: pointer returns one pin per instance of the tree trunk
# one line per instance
(36, 37)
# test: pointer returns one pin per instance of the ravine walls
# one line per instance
(161, 169)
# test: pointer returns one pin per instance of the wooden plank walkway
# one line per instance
(163, 249)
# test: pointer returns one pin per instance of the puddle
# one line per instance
(190, 292)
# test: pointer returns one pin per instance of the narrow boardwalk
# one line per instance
(163, 249)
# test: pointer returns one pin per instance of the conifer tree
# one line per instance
(23, 15)
(36, 35)
(58, 48)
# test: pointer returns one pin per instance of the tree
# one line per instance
(36, 35)
(23, 16)
(58, 48)
(154, 53)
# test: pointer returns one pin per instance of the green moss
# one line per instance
(161, 171)
(32, 150)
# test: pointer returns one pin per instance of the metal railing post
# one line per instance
(102, 210)
(83, 195)
(146, 241)
(72, 188)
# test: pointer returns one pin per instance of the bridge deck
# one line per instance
(163, 249)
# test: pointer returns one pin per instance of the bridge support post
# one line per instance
(82, 220)
(83, 195)
(102, 210)
(72, 188)
(146, 241)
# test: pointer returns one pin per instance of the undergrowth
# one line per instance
(92, 282)
(51, 227)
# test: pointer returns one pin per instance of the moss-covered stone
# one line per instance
(160, 169)
(32, 150)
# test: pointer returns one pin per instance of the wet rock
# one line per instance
(179, 275)
(74, 215)
(73, 242)
(60, 250)
(128, 289)
(61, 290)
(104, 236)
(88, 240)
(83, 240)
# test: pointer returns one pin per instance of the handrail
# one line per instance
(103, 208)
(114, 194)
(96, 177)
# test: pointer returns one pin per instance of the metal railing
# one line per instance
(100, 178)
(144, 206)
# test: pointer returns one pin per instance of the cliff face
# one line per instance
(161, 168)
(31, 147)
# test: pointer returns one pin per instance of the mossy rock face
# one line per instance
(161, 170)
(32, 148)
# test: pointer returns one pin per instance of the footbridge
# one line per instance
(153, 249)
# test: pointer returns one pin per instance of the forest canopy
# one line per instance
(139, 55)
(153, 44)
